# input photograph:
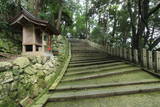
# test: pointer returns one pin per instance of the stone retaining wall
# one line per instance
(34, 71)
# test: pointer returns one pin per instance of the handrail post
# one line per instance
(130, 54)
(109, 50)
(117, 52)
(157, 61)
(136, 56)
(144, 57)
(150, 59)
(113, 51)
(125, 53)
(120, 52)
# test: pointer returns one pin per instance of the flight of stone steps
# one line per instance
(94, 79)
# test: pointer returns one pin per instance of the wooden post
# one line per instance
(34, 48)
(24, 49)
(108, 49)
(136, 56)
(117, 52)
(130, 54)
(124, 55)
(150, 59)
(43, 44)
(34, 39)
(121, 52)
(144, 57)
(157, 61)
(49, 43)
(114, 51)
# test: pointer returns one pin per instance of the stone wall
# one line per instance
(26, 77)
(30, 73)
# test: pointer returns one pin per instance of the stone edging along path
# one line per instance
(40, 102)
(63, 70)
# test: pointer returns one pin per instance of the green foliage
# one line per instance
(98, 35)
(123, 22)
(9, 44)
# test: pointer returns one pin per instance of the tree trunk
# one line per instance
(59, 18)
(133, 25)
(86, 19)
(39, 5)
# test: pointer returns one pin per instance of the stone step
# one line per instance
(84, 52)
(91, 63)
(89, 86)
(89, 60)
(91, 71)
(87, 55)
(92, 74)
(102, 74)
(150, 99)
(104, 92)
(84, 68)
(128, 77)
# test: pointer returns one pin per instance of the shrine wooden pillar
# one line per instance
(49, 43)
(43, 43)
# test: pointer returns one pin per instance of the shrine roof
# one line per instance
(24, 14)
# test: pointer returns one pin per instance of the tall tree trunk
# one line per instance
(86, 19)
(114, 26)
(59, 18)
(38, 6)
(133, 24)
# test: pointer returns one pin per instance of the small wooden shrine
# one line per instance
(36, 33)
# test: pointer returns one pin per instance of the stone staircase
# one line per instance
(94, 79)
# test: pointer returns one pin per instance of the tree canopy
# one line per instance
(126, 23)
